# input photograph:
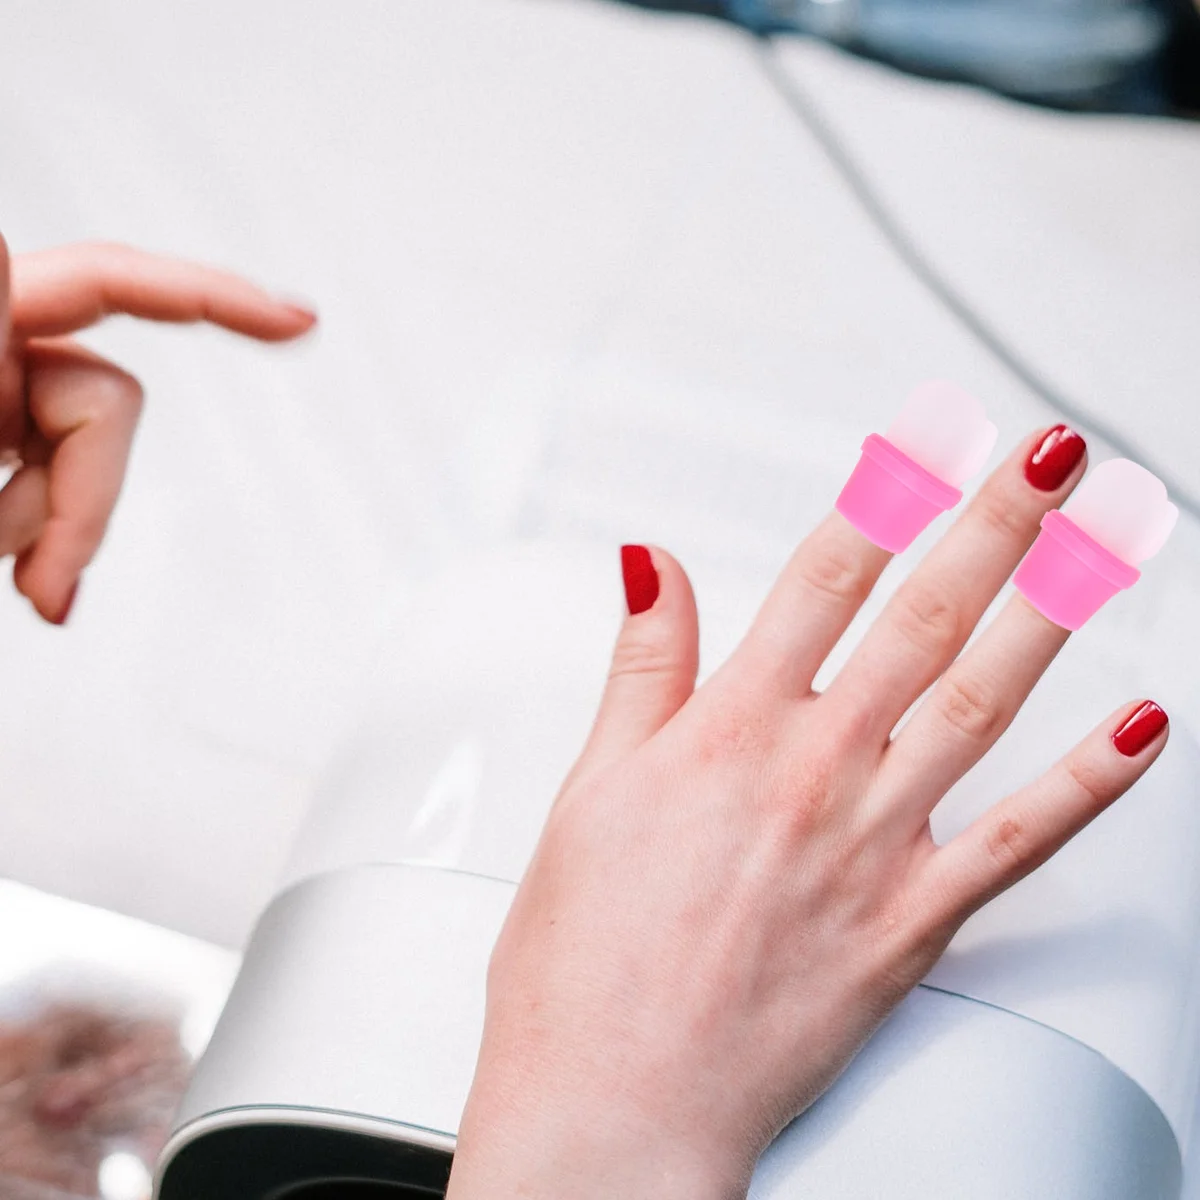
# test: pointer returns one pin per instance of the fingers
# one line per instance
(85, 410)
(4, 288)
(970, 706)
(928, 620)
(655, 660)
(816, 597)
(12, 405)
(68, 288)
(24, 504)
(1024, 830)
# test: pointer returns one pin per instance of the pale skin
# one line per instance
(737, 883)
(68, 416)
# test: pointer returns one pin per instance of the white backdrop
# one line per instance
(546, 239)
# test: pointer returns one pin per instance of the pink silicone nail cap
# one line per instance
(1088, 551)
(889, 498)
(944, 429)
(1068, 575)
(940, 438)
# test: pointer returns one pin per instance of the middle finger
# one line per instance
(929, 619)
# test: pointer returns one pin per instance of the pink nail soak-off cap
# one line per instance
(1091, 548)
(940, 438)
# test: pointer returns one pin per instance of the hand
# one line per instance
(67, 416)
(738, 883)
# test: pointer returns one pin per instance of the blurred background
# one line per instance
(587, 272)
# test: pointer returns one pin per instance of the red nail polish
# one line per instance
(1054, 458)
(65, 612)
(1141, 728)
(641, 579)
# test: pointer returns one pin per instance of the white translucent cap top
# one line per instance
(945, 430)
(1125, 508)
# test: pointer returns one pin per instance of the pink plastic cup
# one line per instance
(1067, 575)
(889, 498)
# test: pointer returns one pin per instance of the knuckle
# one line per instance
(1010, 847)
(903, 937)
(643, 656)
(970, 706)
(911, 953)
(926, 619)
(795, 818)
(834, 573)
(999, 512)
(1089, 781)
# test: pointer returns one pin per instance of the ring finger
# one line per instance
(968, 709)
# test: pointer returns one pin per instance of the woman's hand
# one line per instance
(737, 884)
(67, 416)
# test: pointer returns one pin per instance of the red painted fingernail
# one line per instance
(1141, 728)
(1053, 459)
(65, 612)
(641, 579)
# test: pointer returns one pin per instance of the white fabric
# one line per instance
(583, 276)
(525, 224)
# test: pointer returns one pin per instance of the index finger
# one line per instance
(68, 288)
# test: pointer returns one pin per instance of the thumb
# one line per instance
(655, 660)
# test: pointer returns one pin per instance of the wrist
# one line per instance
(556, 1145)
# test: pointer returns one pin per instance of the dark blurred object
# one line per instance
(708, 8)
(78, 1086)
(1140, 56)
(1181, 60)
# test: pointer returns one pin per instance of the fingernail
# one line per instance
(1140, 729)
(65, 612)
(641, 579)
(1053, 459)
(304, 311)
